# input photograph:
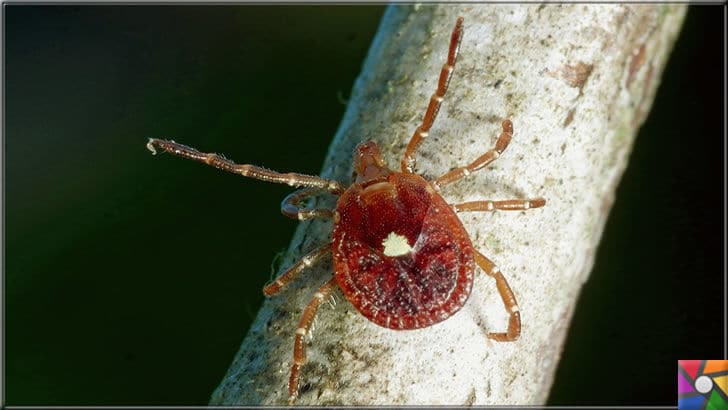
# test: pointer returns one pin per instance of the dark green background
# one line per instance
(132, 279)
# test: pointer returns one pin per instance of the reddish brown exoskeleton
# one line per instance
(401, 255)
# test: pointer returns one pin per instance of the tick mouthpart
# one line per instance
(368, 163)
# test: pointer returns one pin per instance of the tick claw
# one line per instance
(150, 146)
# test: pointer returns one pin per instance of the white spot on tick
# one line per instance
(396, 245)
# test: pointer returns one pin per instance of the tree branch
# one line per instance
(577, 81)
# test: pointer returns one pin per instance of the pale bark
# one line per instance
(577, 81)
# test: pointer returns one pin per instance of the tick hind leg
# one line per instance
(500, 145)
(299, 343)
(509, 300)
(286, 277)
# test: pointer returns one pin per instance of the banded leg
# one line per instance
(433, 108)
(500, 145)
(509, 300)
(290, 206)
(246, 170)
(286, 277)
(508, 205)
(299, 343)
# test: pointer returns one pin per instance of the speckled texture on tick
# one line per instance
(576, 80)
(418, 288)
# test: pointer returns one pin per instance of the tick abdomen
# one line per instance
(401, 255)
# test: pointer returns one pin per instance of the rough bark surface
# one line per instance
(577, 81)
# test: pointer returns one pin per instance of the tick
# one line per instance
(401, 255)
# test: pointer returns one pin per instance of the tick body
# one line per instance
(401, 255)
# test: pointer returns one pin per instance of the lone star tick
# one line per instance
(401, 255)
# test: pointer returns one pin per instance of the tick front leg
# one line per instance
(299, 343)
(246, 170)
(509, 300)
(508, 205)
(500, 145)
(286, 277)
(433, 107)
(290, 206)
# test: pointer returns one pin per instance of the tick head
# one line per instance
(368, 164)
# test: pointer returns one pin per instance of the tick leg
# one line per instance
(433, 108)
(503, 140)
(286, 277)
(509, 300)
(509, 205)
(299, 344)
(246, 170)
(290, 206)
